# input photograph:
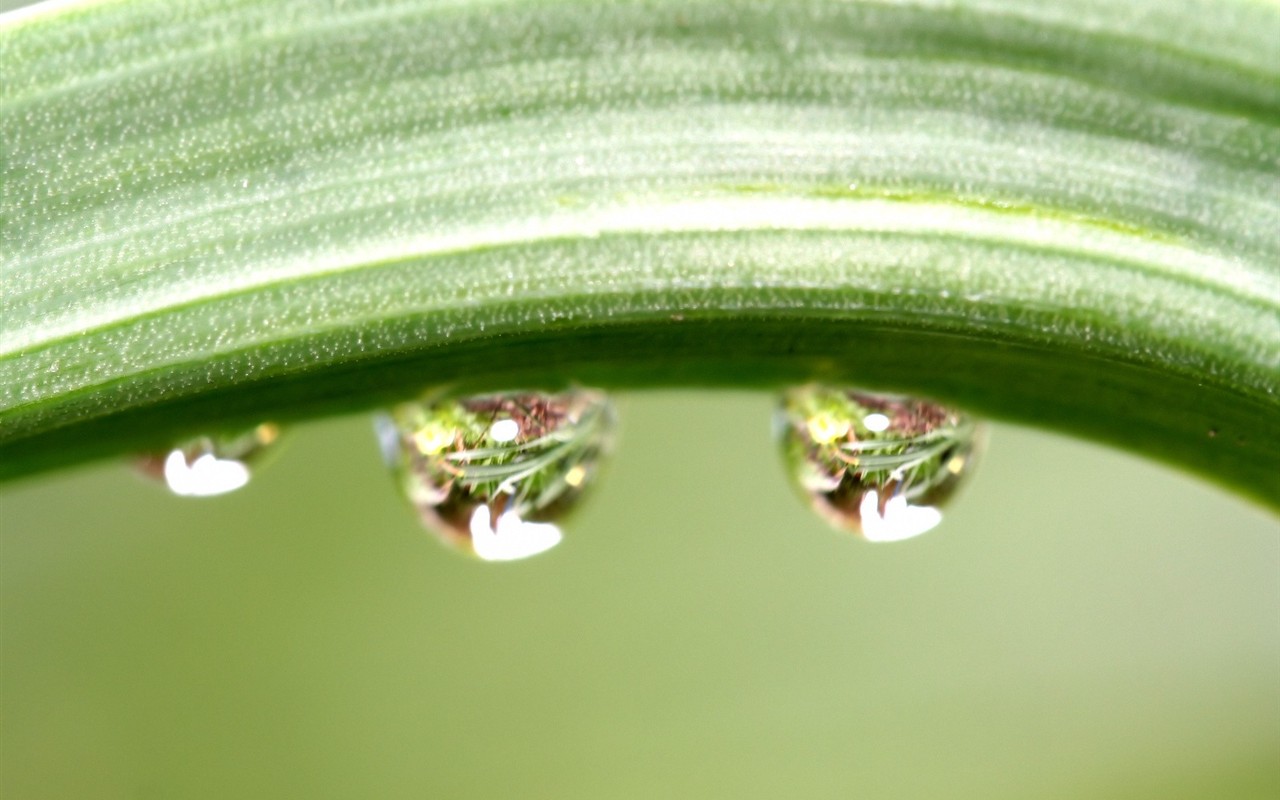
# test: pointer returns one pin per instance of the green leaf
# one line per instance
(1065, 214)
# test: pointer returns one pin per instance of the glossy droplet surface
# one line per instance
(210, 465)
(879, 465)
(491, 474)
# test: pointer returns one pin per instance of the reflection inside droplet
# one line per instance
(492, 474)
(876, 423)
(895, 519)
(509, 538)
(210, 465)
(876, 464)
(504, 430)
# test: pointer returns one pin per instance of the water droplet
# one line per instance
(879, 465)
(210, 465)
(490, 474)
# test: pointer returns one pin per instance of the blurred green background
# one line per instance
(1082, 625)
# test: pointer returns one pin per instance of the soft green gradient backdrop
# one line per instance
(1084, 625)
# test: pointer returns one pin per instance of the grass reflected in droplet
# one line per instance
(879, 465)
(492, 474)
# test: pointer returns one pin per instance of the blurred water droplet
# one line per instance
(210, 465)
(491, 474)
(879, 465)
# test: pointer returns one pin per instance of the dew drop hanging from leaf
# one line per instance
(879, 465)
(491, 475)
(211, 465)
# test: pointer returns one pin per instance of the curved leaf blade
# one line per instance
(1064, 215)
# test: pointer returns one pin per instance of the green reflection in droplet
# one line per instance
(492, 474)
(879, 465)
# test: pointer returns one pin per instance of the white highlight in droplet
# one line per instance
(511, 538)
(504, 430)
(207, 476)
(876, 423)
(900, 520)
